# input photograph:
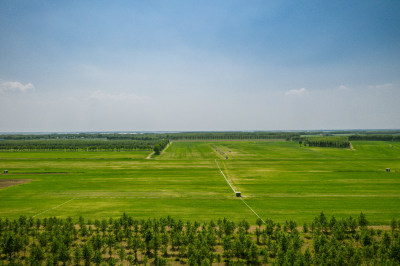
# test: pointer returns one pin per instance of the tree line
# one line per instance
(378, 137)
(334, 142)
(77, 145)
(154, 136)
(212, 135)
(125, 240)
(208, 135)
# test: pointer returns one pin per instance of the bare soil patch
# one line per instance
(12, 182)
(150, 156)
(351, 146)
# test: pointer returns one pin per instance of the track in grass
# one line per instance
(248, 206)
(55, 207)
(226, 179)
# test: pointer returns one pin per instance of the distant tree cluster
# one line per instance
(211, 135)
(160, 146)
(326, 241)
(333, 142)
(379, 137)
(157, 136)
(77, 145)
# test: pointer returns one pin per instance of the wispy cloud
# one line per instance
(301, 91)
(342, 88)
(15, 86)
(381, 86)
(120, 97)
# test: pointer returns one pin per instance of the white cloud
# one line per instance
(342, 88)
(301, 91)
(15, 86)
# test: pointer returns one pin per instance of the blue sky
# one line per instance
(199, 65)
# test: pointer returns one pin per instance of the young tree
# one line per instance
(362, 220)
(259, 222)
(305, 228)
(97, 242)
(246, 226)
(253, 255)
(352, 224)
(64, 254)
(87, 252)
(97, 258)
(292, 225)
(219, 258)
(77, 255)
(10, 245)
(258, 233)
(121, 253)
(148, 236)
(386, 240)
(145, 260)
(110, 243)
(131, 260)
(81, 221)
(332, 222)
(393, 224)
(323, 221)
(37, 255)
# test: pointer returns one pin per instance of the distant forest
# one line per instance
(158, 141)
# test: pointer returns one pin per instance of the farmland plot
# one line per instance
(279, 180)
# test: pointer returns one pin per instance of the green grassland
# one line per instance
(279, 180)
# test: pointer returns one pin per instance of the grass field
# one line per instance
(279, 180)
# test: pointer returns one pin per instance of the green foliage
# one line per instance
(332, 142)
(77, 145)
(376, 137)
(362, 220)
(36, 254)
(157, 136)
(160, 146)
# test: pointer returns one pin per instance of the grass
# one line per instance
(279, 180)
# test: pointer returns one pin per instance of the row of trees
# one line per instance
(212, 135)
(326, 241)
(154, 136)
(334, 142)
(160, 146)
(379, 137)
(77, 145)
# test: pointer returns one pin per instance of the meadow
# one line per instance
(280, 180)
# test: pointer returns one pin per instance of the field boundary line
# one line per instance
(53, 207)
(248, 206)
(252, 210)
(225, 176)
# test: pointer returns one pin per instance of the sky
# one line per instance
(68, 66)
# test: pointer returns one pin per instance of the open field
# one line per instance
(279, 180)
